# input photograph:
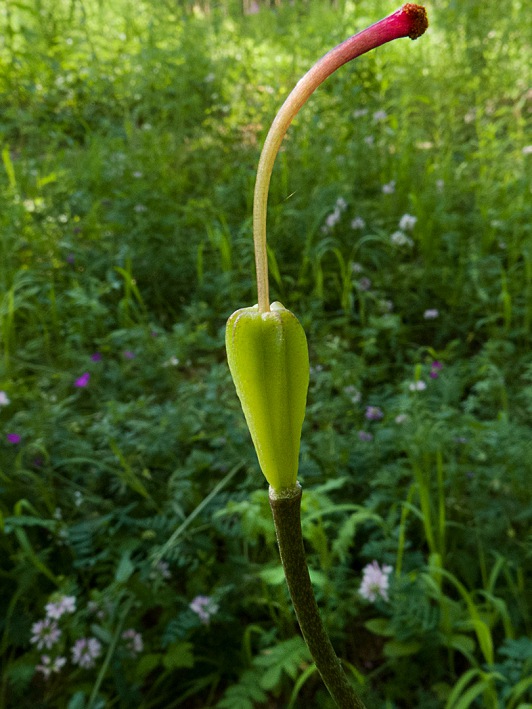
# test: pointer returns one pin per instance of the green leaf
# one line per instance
(396, 648)
(179, 655)
(26, 521)
(247, 694)
(102, 633)
(462, 643)
(379, 626)
(285, 657)
(273, 576)
(77, 701)
(125, 568)
(147, 663)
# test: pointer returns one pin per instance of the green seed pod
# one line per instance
(268, 358)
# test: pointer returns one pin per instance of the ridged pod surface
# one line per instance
(268, 357)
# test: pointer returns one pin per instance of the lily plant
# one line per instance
(268, 358)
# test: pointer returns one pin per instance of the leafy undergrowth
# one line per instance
(139, 565)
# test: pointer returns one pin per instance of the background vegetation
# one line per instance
(138, 563)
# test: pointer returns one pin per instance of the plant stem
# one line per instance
(408, 21)
(286, 505)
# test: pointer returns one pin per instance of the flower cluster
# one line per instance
(435, 369)
(374, 413)
(49, 665)
(204, 607)
(334, 217)
(81, 382)
(375, 582)
(46, 634)
(399, 237)
(431, 314)
(365, 436)
(56, 609)
(358, 223)
(134, 643)
(161, 570)
(85, 651)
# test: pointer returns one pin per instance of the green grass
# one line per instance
(129, 135)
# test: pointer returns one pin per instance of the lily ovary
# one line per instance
(268, 359)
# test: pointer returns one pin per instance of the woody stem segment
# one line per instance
(285, 505)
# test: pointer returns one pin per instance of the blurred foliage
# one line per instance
(130, 132)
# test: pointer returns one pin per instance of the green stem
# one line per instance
(286, 505)
(408, 21)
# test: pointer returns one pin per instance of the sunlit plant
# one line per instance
(268, 358)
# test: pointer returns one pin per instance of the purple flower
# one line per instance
(129, 355)
(365, 436)
(134, 641)
(431, 314)
(435, 369)
(204, 607)
(45, 633)
(374, 413)
(96, 357)
(85, 651)
(70, 258)
(83, 380)
(65, 604)
(13, 438)
(375, 581)
(4, 399)
(48, 665)
(161, 570)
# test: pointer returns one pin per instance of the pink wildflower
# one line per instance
(85, 652)
(55, 609)
(375, 582)
(48, 665)
(204, 607)
(45, 634)
(134, 641)
(374, 413)
(365, 436)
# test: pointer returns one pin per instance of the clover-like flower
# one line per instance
(65, 604)
(204, 607)
(45, 634)
(375, 582)
(85, 652)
